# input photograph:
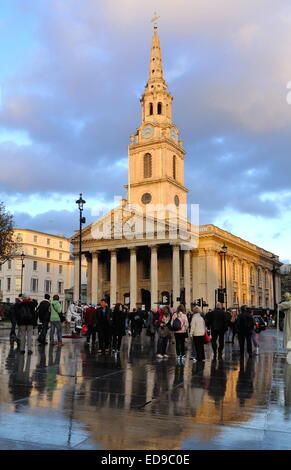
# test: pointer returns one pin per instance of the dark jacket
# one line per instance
(118, 322)
(245, 323)
(103, 319)
(25, 313)
(43, 311)
(217, 320)
(90, 316)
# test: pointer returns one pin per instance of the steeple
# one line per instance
(156, 74)
(156, 100)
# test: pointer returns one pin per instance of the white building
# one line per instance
(47, 267)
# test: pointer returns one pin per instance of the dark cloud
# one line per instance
(77, 99)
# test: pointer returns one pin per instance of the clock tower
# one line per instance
(155, 153)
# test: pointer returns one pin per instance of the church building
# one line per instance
(146, 251)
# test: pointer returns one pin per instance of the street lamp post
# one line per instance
(224, 251)
(80, 203)
(22, 256)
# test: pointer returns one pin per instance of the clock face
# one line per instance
(147, 131)
(173, 134)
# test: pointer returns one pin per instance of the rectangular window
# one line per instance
(18, 283)
(48, 242)
(8, 283)
(60, 269)
(0, 285)
(35, 239)
(18, 264)
(60, 287)
(47, 287)
(35, 265)
(0, 267)
(8, 300)
(34, 285)
(61, 244)
(48, 254)
(60, 256)
(48, 268)
(9, 264)
(34, 251)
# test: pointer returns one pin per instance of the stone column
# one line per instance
(187, 279)
(154, 276)
(89, 278)
(133, 283)
(76, 278)
(195, 275)
(95, 277)
(176, 275)
(212, 276)
(113, 278)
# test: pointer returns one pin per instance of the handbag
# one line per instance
(84, 330)
(207, 338)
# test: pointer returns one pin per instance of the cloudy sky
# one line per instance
(72, 74)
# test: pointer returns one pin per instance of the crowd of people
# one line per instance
(104, 327)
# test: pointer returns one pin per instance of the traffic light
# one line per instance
(198, 302)
(220, 295)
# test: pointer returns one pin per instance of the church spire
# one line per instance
(156, 74)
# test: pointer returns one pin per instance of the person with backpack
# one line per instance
(55, 320)
(44, 313)
(179, 324)
(245, 327)
(164, 332)
(118, 327)
(26, 320)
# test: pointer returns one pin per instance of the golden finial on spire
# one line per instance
(154, 19)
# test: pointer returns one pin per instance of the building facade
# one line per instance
(48, 267)
(145, 251)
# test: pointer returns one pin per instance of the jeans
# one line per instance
(242, 337)
(25, 332)
(42, 335)
(180, 343)
(220, 336)
(56, 325)
(162, 345)
(116, 342)
(199, 345)
(91, 332)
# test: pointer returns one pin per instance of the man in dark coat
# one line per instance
(44, 313)
(217, 320)
(245, 326)
(104, 326)
(26, 319)
(12, 318)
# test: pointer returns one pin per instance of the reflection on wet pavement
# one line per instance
(75, 398)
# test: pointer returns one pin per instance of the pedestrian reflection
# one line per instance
(40, 372)
(20, 382)
(245, 387)
(217, 382)
(53, 370)
(288, 385)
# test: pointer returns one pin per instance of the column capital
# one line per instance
(113, 251)
(95, 252)
(132, 249)
(153, 247)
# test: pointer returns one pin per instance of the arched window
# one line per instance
(266, 280)
(252, 277)
(147, 165)
(151, 109)
(259, 278)
(234, 272)
(174, 167)
(159, 108)
(243, 273)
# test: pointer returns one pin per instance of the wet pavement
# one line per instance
(74, 398)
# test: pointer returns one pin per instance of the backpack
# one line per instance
(177, 325)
